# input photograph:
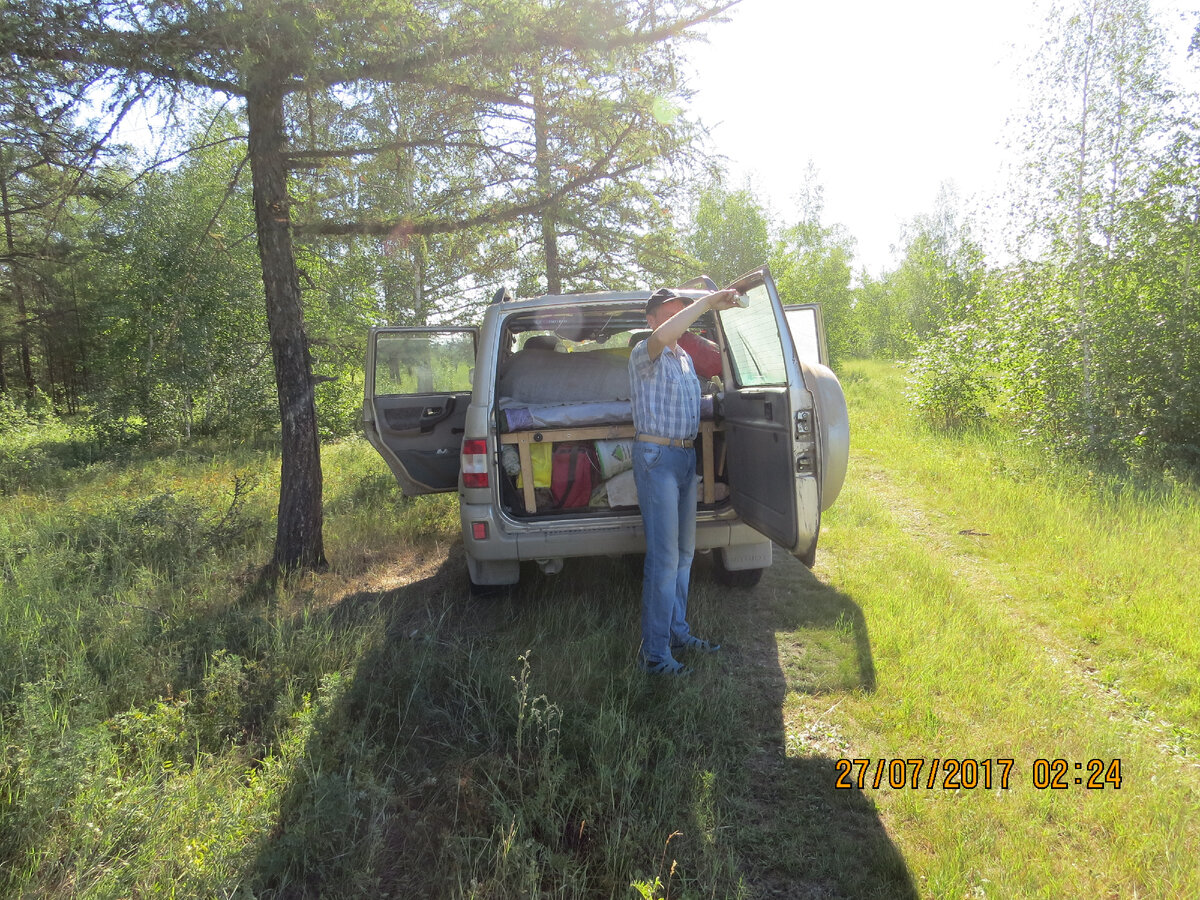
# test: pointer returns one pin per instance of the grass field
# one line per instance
(174, 727)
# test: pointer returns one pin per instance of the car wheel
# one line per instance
(476, 571)
(489, 591)
(744, 578)
(833, 424)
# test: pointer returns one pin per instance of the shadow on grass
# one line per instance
(795, 834)
(508, 747)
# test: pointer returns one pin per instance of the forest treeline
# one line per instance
(418, 180)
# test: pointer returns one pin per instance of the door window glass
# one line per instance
(803, 325)
(423, 363)
(753, 338)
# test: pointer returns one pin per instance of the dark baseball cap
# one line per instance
(661, 296)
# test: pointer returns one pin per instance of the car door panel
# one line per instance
(771, 450)
(415, 405)
(420, 416)
(758, 450)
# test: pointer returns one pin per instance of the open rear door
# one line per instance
(769, 422)
(418, 387)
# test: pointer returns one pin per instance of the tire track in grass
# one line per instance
(1073, 662)
(967, 667)
(964, 673)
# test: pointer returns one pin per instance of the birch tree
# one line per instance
(1093, 130)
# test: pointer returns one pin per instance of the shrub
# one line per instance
(19, 464)
(12, 413)
(339, 400)
(113, 432)
(16, 413)
(948, 381)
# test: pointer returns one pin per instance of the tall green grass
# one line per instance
(173, 725)
(1108, 565)
(1021, 609)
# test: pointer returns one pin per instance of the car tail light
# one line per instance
(479, 531)
(474, 464)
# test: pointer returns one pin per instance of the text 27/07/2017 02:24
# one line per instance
(968, 774)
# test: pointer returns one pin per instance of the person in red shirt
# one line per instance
(706, 356)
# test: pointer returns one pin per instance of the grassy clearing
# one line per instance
(171, 726)
(1108, 568)
(1023, 612)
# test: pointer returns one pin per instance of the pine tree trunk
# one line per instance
(545, 185)
(298, 537)
(18, 294)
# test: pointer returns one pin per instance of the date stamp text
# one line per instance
(964, 773)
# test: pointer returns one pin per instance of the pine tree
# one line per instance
(264, 52)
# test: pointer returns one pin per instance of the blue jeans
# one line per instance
(666, 486)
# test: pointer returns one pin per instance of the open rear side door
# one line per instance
(418, 388)
(768, 420)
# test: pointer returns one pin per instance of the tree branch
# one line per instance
(301, 157)
(494, 215)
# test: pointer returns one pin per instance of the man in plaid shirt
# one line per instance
(666, 416)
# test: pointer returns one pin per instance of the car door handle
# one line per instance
(432, 411)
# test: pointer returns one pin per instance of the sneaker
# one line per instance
(699, 645)
(663, 667)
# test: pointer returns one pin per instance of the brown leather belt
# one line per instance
(666, 442)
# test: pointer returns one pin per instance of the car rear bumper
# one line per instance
(580, 537)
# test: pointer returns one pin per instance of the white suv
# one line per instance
(481, 410)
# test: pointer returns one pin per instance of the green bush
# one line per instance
(16, 413)
(12, 413)
(20, 461)
(113, 432)
(339, 403)
(949, 384)
(22, 456)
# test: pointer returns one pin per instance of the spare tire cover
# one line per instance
(833, 429)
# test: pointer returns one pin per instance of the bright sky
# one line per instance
(888, 99)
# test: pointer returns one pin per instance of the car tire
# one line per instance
(488, 591)
(743, 578)
(485, 589)
(833, 430)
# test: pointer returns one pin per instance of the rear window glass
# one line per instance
(753, 338)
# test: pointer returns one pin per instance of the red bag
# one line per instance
(572, 473)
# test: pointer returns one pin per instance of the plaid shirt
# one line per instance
(666, 393)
